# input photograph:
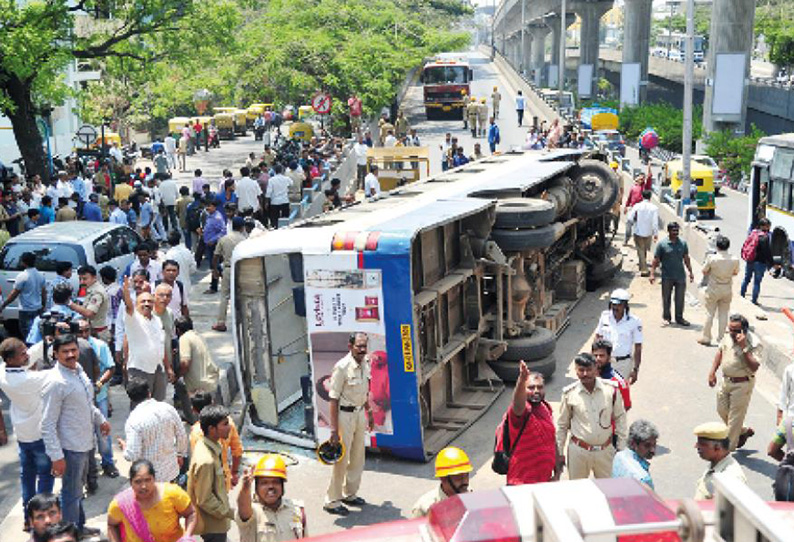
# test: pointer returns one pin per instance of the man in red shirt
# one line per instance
(533, 457)
(641, 182)
(354, 103)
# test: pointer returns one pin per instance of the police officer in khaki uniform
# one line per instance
(712, 445)
(472, 112)
(495, 99)
(482, 117)
(272, 517)
(224, 251)
(720, 268)
(587, 410)
(401, 125)
(739, 354)
(350, 419)
(452, 468)
(96, 305)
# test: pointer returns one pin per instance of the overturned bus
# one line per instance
(453, 280)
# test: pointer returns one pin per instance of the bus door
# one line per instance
(271, 312)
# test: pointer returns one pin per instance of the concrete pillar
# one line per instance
(539, 33)
(527, 52)
(731, 32)
(554, 22)
(590, 13)
(636, 38)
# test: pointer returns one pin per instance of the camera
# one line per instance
(50, 322)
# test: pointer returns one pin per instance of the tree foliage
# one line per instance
(286, 50)
(733, 153)
(775, 20)
(666, 120)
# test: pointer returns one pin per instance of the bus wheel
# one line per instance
(529, 239)
(524, 213)
(539, 344)
(508, 370)
(596, 188)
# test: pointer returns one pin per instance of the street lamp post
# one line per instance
(561, 67)
(689, 76)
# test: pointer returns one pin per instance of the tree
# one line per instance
(284, 51)
(40, 39)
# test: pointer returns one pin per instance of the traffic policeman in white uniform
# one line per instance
(350, 419)
(624, 331)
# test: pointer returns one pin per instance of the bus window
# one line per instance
(782, 164)
(780, 194)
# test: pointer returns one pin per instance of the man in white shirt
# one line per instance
(644, 216)
(360, 150)
(170, 150)
(117, 215)
(277, 195)
(249, 193)
(154, 431)
(182, 255)
(25, 388)
(521, 105)
(145, 340)
(143, 260)
(115, 153)
(169, 193)
(371, 183)
(624, 331)
(390, 140)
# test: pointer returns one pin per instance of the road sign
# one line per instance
(321, 103)
(86, 134)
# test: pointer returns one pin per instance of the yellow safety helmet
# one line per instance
(614, 165)
(463, 91)
(271, 465)
(328, 453)
(473, 99)
(494, 88)
(451, 461)
(482, 100)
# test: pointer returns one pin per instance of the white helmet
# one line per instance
(619, 295)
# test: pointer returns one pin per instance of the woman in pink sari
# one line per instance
(149, 511)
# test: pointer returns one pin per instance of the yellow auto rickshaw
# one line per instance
(176, 124)
(110, 138)
(305, 112)
(254, 110)
(301, 130)
(702, 178)
(224, 122)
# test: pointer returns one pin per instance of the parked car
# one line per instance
(82, 243)
(611, 139)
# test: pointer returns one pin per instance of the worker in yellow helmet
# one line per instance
(271, 517)
(472, 112)
(495, 99)
(452, 468)
(482, 117)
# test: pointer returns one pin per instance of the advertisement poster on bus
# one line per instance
(338, 303)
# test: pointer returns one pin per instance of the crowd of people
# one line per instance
(134, 328)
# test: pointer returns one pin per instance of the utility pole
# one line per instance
(523, 65)
(561, 67)
(689, 78)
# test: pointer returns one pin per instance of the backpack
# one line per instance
(193, 217)
(783, 486)
(750, 246)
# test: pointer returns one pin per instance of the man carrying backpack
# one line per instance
(784, 479)
(757, 253)
(526, 434)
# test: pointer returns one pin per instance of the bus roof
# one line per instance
(780, 140)
(410, 209)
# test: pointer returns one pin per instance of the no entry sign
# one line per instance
(321, 103)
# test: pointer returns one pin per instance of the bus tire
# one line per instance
(596, 188)
(539, 344)
(508, 370)
(529, 239)
(524, 213)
